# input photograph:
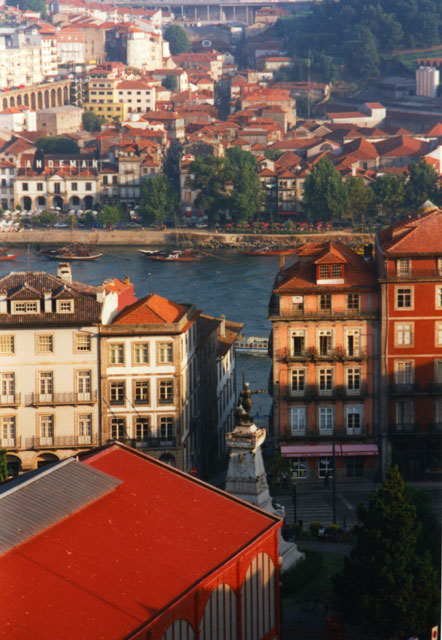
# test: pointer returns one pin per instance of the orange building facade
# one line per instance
(325, 325)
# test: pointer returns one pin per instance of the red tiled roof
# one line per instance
(419, 235)
(152, 309)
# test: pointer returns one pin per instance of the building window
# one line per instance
(45, 386)
(404, 414)
(165, 391)
(353, 380)
(141, 353)
(74, 186)
(325, 467)
(7, 387)
(84, 385)
(404, 298)
(353, 301)
(323, 270)
(83, 342)
(116, 353)
(404, 372)
(39, 186)
(299, 468)
(353, 420)
(353, 342)
(141, 392)
(438, 297)
(8, 431)
(325, 302)
(142, 429)
(325, 342)
(166, 428)
(117, 392)
(403, 334)
(298, 420)
(354, 466)
(438, 327)
(165, 352)
(326, 419)
(25, 186)
(46, 429)
(438, 413)
(325, 377)
(438, 371)
(57, 188)
(336, 270)
(26, 307)
(88, 186)
(105, 180)
(65, 306)
(439, 266)
(45, 343)
(7, 344)
(298, 343)
(403, 267)
(118, 429)
(298, 380)
(85, 428)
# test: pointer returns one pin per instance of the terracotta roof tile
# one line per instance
(418, 235)
(152, 309)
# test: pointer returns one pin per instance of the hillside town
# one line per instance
(143, 493)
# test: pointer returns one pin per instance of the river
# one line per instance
(232, 284)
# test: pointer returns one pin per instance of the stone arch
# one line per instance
(169, 459)
(58, 202)
(258, 597)
(218, 621)
(53, 98)
(74, 202)
(14, 465)
(46, 458)
(179, 630)
(40, 99)
(65, 95)
(19, 99)
(5, 103)
(59, 97)
(26, 99)
(41, 201)
(46, 98)
(26, 203)
(12, 101)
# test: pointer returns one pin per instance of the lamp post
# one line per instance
(333, 481)
(294, 496)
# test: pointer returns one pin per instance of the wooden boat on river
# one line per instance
(6, 254)
(73, 252)
(270, 251)
(177, 255)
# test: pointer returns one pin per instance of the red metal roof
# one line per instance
(121, 561)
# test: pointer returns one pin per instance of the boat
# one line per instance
(270, 251)
(72, 252)
(253, 345)
(5, 254)
(177, 255)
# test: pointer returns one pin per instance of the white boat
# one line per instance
(253, 345)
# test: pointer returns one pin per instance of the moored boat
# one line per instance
(6, 254)
(73, 252)
(270, 251)
(178, 255)
(253, 345)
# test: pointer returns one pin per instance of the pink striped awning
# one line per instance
(317, 450)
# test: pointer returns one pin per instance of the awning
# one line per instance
(316, 450)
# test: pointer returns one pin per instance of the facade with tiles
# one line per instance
(324, 313)
(409, 259)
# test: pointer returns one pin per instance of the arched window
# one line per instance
(219, 618)
(179, 630)
(258, 598)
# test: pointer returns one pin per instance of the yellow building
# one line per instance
(103, 99)
(108, 110)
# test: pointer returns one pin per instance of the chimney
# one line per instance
(100, 295)
(64, 271)
(47, 301)
(222, 326)
(3, 302)
(126, 280)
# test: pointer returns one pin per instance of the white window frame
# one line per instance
(165, 352)
(326, 419)
(404, 411)
(46, 425)
(353, 375)
(404, 334)
(403, 267)
(356, 348)
(299, 468)
(325, 464)
(27, 307)
(166, 430)
(438, 334)
(68, 304)
(83, 342)
(325, 381)
(116, 348)
(298, 420)
(298, 379)
(40, 338)
(325, 333)
(396, 297)
(438, 295)
(356, 409)
(7, 344)
(7, 386)
(84, 428)
(297, 333)
(404, 372)
(140, 348)
(8, 432)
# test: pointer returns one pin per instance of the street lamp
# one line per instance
(334, 481)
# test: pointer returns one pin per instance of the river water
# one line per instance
(232, 284)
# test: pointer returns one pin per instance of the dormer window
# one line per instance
(336, 270)
(439, 266)
(403, 267)
(65, 306)
(30, 306)
(330, 273)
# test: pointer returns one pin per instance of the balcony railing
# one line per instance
(436, 427)
(403, 389)
(60, 442)
(341, 432)
(312, 354)
(11, 443)
(320, 313)
(409, 427)
(435, 388)
(38, 399)
(150, 443)
(11, 400)
(313, 393)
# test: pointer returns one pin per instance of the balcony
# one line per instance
(165, 400)
(313, 393)
(400, 429)
(52, 399)
(60, 442)
(11, 400)
(150, 443)
(338, 432)
(403, 389)
(11, 443)
(312, 354)
(435, 388)
(321, 314)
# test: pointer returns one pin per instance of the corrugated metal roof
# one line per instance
(31, 506)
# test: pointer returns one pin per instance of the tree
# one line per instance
(360, 197)
(325, 195)
(389, 195)
(210, 180)
(170, 82)
(3, 465)
(31, 5)
(421, 184)
(247, 196)
(158, 199)
(57, 144)
(366, 63)
(92, 122)
(110, 215)
(177, 38)
(47, 218)
(386, 582)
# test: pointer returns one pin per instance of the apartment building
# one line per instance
(103, 99)
(324, 312)
(139, 96)
(49, 374)
(409, 260)
(21, 57)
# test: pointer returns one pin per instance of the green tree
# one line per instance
(92, 122)
(177, 39)
(3, 465)
(110, 215)
(89, 219)
(170, 82)
(385, 582)
(31, 5)
(158, 199)
(210, 178)
(366, 64)
(325, 195)
(247, 196)
(421, 184)
(360, 198)
(46, 218)
(57, 144)
(389, 196)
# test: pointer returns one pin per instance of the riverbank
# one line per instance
(174, 237)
